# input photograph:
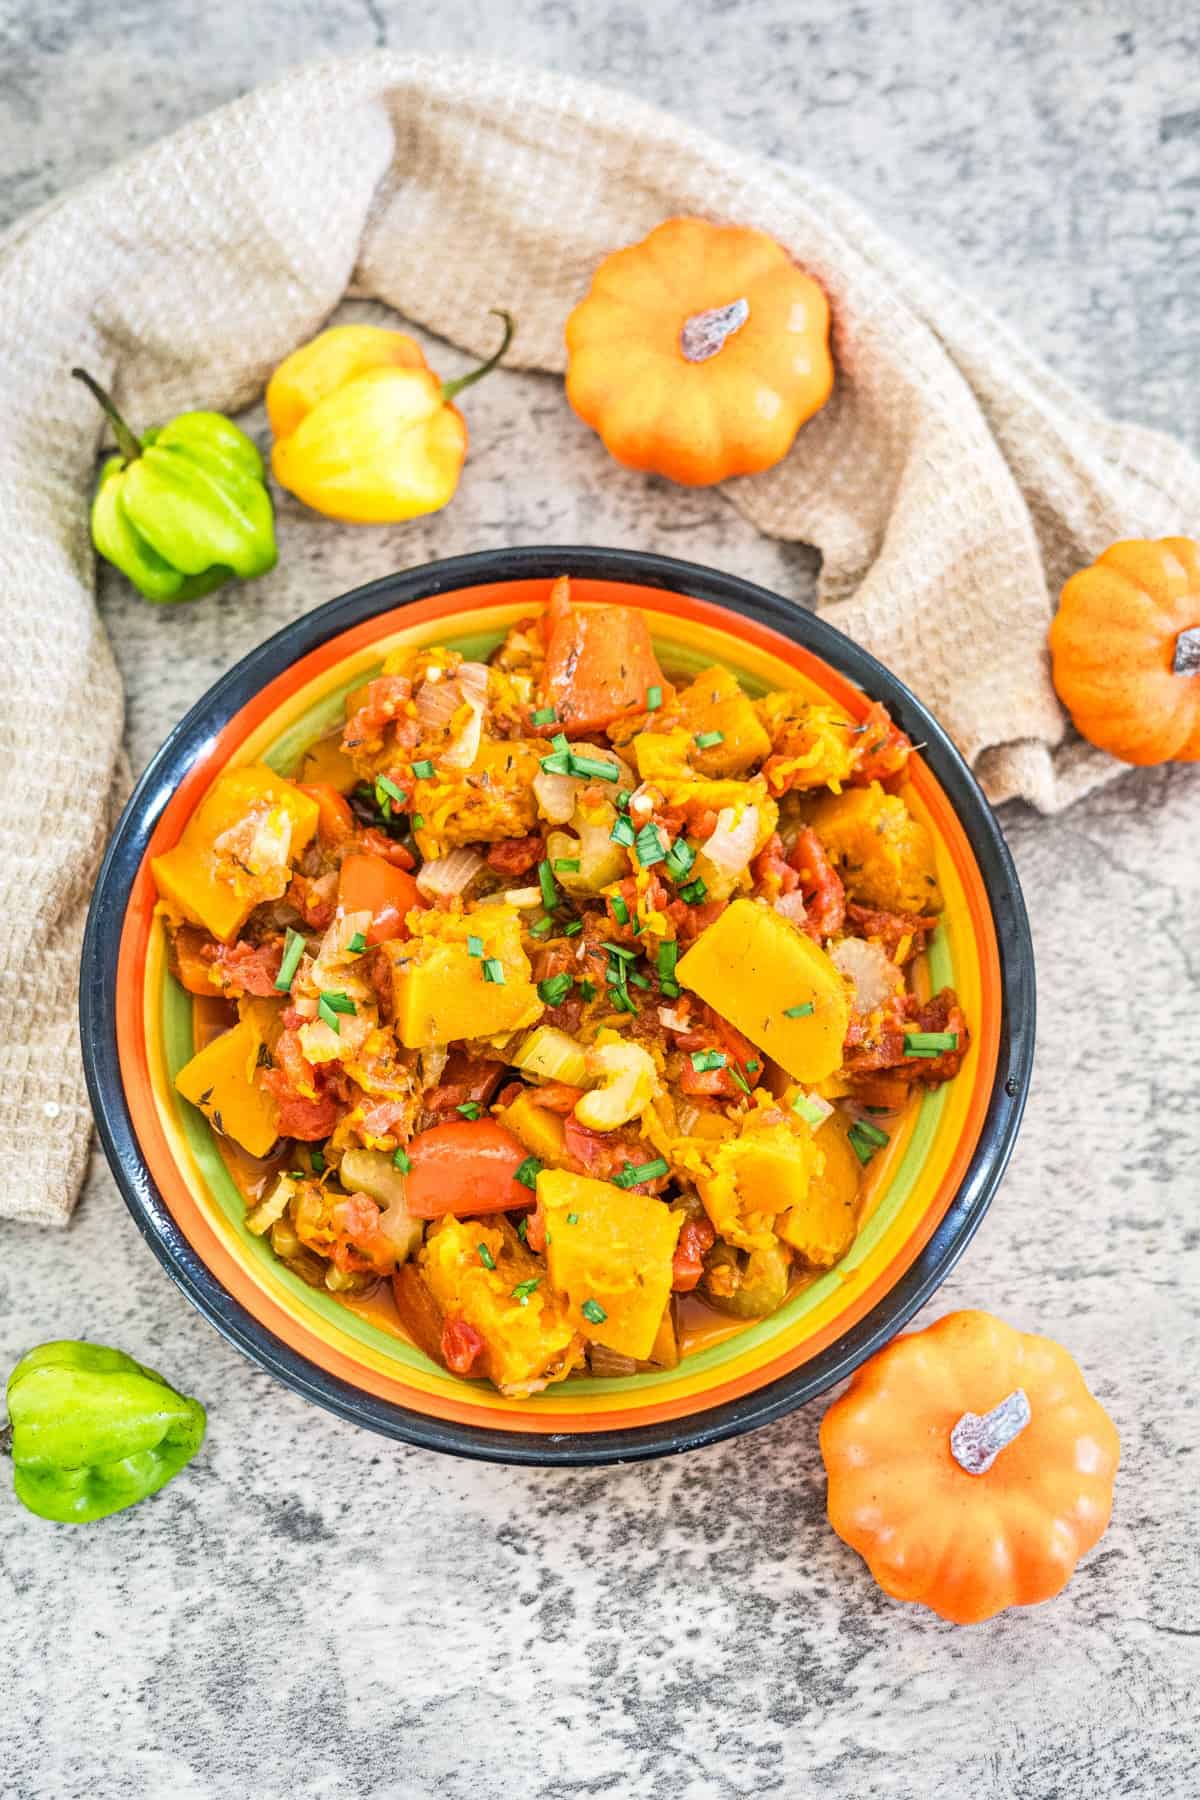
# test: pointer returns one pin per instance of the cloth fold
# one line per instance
(951, 483)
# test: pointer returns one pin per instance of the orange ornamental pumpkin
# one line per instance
(1125, 646)
(970, 1466)
(700, 352)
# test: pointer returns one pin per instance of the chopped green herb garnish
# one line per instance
(493, 970)
(649, 846)
(680, 858)
(624, 796)
(470, 1109)
(798, 1012)
(523, 1289)
(558, 764)
(330, 1005)
(633, 1176)
(542, 927)
(592, 766)
(808, 1109)
(752, 1065)
(548, 885)
(620, 911)
(653, 698)
(418, 821)
(929, 1043)
(523, 1229)
(638, 979)
(389, 787)
(668, 956)
(573, 929)
(544, 715)
(622, 833)
(694, 892)
(293, 950)
(621, 999)
(317, 1161)
(593, 1312)
(402, 1160)
(528, 1172)
(555, 989)
(485, 1256)
(740, 1079)
(423, 770)
(474, 945)
(357, 944)
(572, 1218)
(871, 1132)
(559, 740)
(705, 740)
(619, 950)
(703, 1060)
(587, 990)
(566, 865)
(865, 1139)
(670, 990)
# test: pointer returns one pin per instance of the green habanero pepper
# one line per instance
(92, 1431)
(184, 507)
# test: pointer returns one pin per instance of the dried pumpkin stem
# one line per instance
(1186, 660)
(127, 441)
(978, 1438)
(705, 332)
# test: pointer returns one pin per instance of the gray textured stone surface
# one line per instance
(314, 1612)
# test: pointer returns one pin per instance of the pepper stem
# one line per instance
(705, 332)
(129, 445)
(1186, 660)
(978, 1438)
(450, 388)
(6, 1439)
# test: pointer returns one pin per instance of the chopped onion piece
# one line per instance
(791, 906)
(732, 843)
(448, 875)
(875, 978)
(555, 795)
(674, 1021)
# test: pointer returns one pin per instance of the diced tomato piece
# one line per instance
(369, 884)
(515, 856)
(300, 1117)
(193, 956)
(557, 1097)
(464, 1167)
(820, 885)
(695, 1241)
(772, 872)
(377, 843)
(385, 700)
(335, 819)
(890, 929)
(599, 663)
(465, 1079)
(535, 1231)
(462, 1345)
(249, 968)
(883, 749)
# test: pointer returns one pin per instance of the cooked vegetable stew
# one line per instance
(556, 1013)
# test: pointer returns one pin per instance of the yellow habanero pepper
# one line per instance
(364, 430)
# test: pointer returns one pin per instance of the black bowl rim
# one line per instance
(461, 573)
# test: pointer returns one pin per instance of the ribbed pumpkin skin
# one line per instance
(1112, 643)
(699, 422)
(967, 1546)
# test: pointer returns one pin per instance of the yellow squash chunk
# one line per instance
(263, 823)
(883, 855)
(539, 1130)
(746, 1183)
(441, 992)
(820, 1228)
(223, 1081)
(755, 968)
(492, 799)
(715, 703)
(614, 1258)
(529, 1339)
(813, 745)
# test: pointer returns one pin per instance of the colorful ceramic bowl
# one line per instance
(941, 1169)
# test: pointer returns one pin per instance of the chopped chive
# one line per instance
(624, 796)
(638, 979)
(929, 1043)
(680, 858)
(544, 715)
(559, 740)
(474, 945)
(402, 1160)
(653, 698)
(587, 990)
(591, 765)
(871, 1132)
(573, 929)
(752, 1065)
(631, 1176)
(694, 892)
(806, 1108)
(706, 739)
(670, 990)
(339, 1003)
(798, 1012)
(293, 950)
(740, 1079)
(649, 846)
(620, 910)
(566, 865)
(572, 1218)
(622, 833)
(555, 989)
(390, 789)
(423, 770)
(528, 1172)
(523, 1289)
(593, 1312)
(418, 821)
(548, 885)
(485, 1256)
(619, 950)
(523, 1229)
(703, 1060)
(622, 999)
(493, 970)
(668, 956)
(317, 1161)
(357, 944)
(470, 1109)
(865, 1139)
(558, 764)
(542, 928)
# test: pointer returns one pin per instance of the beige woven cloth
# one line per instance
(951, 483)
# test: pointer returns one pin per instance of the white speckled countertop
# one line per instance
(311, 1611)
